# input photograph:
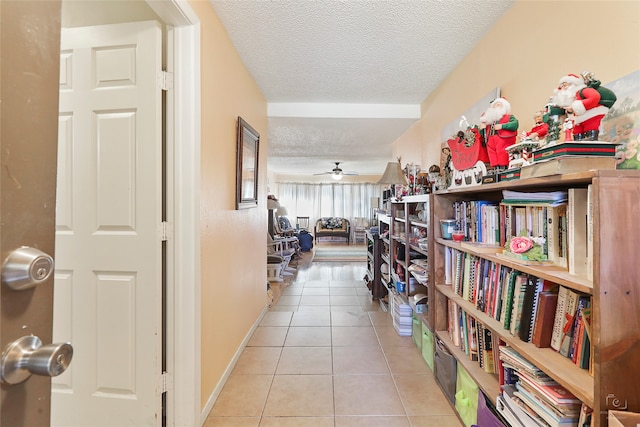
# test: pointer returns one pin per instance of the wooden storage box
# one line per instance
(623, 419)
(567, 164)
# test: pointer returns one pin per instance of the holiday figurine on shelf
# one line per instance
(519, 154)
(588, 102)
(468, 156)
(567, 126)
(539, 129)
(554, 117)
(499, 128)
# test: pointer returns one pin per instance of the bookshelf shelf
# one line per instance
(577, 381)
(553, 273)
(418, 250)
(487, 382)
(614, 232)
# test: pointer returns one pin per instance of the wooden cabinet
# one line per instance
(614, 381)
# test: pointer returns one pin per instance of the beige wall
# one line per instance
(233, 241)
(525, 54)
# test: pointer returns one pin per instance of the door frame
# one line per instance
(183, 213)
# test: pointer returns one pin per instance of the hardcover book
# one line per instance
(577, 210)
(543, 326)
(569, 323)
(559, 318)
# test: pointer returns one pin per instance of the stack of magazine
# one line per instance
(534, 399)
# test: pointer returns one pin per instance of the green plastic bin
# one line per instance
(428, 348)
(417, 331)
(466, 397)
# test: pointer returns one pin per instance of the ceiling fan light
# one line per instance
(393, 174)
(336, 176)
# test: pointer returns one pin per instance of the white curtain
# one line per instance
(317, 200)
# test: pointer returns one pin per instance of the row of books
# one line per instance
(480, 221)
(562, 220)
(572, 327)
(530, 398)
(472, 337)
(530, 308)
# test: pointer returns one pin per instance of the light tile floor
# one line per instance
(326, 355)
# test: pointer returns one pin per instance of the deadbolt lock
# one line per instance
(26, 267)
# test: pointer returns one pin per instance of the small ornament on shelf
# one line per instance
(525, 248)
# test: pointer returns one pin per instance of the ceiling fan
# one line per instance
(337, 173)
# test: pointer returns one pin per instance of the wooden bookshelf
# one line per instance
(615, 337)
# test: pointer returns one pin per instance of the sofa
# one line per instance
(332, 227)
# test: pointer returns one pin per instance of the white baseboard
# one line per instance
(216, 391)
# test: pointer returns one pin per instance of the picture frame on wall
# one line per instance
(247, 150)
(621, 125)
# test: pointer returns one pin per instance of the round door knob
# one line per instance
(26, 267)
(27, 355)
(50, 360)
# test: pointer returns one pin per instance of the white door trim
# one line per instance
(183, 197)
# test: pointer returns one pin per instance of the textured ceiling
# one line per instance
(356, 59)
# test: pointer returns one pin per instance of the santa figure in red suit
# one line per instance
(583, 102)
(539, 130)
(499, 128)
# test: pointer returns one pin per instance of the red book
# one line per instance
(543, 326)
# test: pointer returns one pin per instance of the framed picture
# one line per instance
(247, 166)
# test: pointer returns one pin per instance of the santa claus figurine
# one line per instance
(584, 103)
(539, 130)
(499, 128)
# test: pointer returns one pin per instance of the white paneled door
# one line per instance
(108, 279)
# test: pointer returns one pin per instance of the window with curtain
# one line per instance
(316, 200)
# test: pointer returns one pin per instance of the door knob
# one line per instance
(27, 355)
(26, 267)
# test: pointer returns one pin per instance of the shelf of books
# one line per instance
(539, 301)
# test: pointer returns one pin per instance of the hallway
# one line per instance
(325, 355)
